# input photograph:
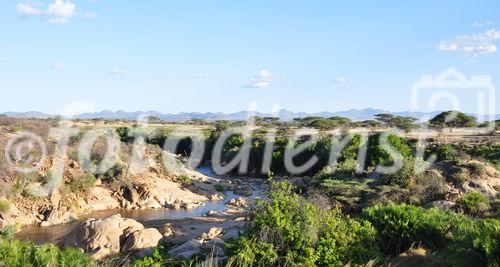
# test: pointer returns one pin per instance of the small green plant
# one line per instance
(219, 187)
(4, 205)
(459, 177)
(83, 183)
(477, 168)
(185, 180)
(114, 173)
(474, 203)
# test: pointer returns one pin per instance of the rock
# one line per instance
(153, 204)
(231, 234)
(142, 239)
(217, 242)
(213, 233)
(59, 216)
(131, 194)
(243, 190)
(176, 205)
(238, 203)
(211, 213)
(167, 230)
(186, 250)
(55, 198)
(191, 205)
(442, 204)
(216, 197)
(101, 238)
(144, 252)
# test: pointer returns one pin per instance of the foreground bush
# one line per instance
(455, 238)
(25, 254)
(287, 231)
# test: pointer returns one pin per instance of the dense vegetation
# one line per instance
(26, 254)
(288, 230)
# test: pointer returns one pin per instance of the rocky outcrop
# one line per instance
(142, 239)
(103, 238)
(59, 215)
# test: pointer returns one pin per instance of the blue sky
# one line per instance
(182, 56)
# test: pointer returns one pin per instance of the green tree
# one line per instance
(401, 122)
(453, 119)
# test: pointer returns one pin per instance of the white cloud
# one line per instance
(61, 8)
(4, 60)
(27, 9)
(472, 45)
(262, 80)
(58, 65)
(58, 12)
(479, 24)
(202, 75)
(118, 71)
(341, 81)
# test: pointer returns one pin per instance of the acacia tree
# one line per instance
(453, 119)
(394, 121)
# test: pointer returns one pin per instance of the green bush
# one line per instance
(4, 205)
(401, 177)
(400, 226)
(459, 176)
(114, 173)
(82, 183)
(25, 254)
(185, 180)
(474, 203)
(448, 235)
(219, 187)
(288, 230)
(477, 168)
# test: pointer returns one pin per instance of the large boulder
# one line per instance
(142, 239)
(101, 237)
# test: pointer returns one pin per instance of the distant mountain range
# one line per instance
(285, 115)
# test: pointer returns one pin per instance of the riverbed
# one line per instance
(150, 217)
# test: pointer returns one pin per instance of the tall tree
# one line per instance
(453, 119)
(401, 122)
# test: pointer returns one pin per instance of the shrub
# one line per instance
(4, 205)
(400, 226)
(474, 203)
(477, 168)
(25, 254)
(401, 177)
(219, 187)
(459, 177)
(114, 173)
(453, 237)
(83, 183)
(288, 230)
(443, 152)
(185, 180)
